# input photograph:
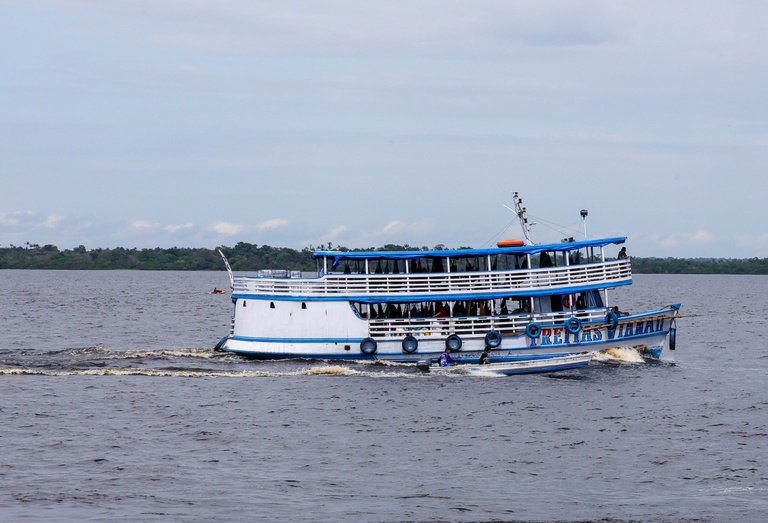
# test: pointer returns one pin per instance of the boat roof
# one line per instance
(465, 253)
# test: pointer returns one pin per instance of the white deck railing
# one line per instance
(474, 325)
(423, 284)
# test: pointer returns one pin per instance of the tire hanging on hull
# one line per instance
(410, 344)
(672, 336)
(368, 346)
(453, 342)
(493, 339)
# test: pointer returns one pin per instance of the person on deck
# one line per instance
(623, 253)
(442, 311)
(446, 359)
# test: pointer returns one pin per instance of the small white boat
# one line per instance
(507, 368)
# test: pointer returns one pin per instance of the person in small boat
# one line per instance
(484, 356)
(446, 359)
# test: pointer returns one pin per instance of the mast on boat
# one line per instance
(519, 210)
(584, 214)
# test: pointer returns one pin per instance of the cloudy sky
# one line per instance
(197, 123)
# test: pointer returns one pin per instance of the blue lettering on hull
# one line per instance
(557, 336)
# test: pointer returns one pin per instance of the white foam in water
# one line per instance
(619, 355)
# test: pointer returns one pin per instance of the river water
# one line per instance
(114, 407)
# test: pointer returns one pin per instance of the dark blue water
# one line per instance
(115, 408)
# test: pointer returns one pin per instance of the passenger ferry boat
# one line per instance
(524, 301)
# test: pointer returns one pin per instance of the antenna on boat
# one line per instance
(519, 210)
(584, 214)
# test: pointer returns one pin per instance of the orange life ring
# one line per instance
(567, 301)
(510, 243)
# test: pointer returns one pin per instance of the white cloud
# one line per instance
(273, 223)
(174, 228)
(15, 218)
(143, 224)
(394, 227)
(701, 238)
(420, 228)
(669, 242)
(337, 231)
(226, 228)
(52, 221)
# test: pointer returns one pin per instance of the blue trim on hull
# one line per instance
(569, 347)
(471, 356)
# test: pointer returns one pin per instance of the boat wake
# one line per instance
(121, 354)
(619, 355)
(188, 363)
(208, 363)
(175, 373)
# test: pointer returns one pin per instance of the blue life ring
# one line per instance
(612, 320)
(453, 342)
(573, 325)
(533, 330)
(410, 344)
(493, 339)
(368, 346)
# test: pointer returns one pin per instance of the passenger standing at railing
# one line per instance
(623, 253)
(442, 312)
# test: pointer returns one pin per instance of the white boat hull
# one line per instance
(648, 333)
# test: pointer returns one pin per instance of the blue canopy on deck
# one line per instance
(339, 256)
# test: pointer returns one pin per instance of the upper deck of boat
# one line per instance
(446, 274)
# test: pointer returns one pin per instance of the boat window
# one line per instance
(507, 262)
(303, 305)
(271, 305)
(574, 258)
(437, 265)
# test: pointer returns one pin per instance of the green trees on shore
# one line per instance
(242, 257)
(250, 257)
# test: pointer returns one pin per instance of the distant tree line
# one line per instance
(250, 257)
(699, 266)
(242, 257)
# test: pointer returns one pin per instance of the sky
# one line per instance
(191, 123)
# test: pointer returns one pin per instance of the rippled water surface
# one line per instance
(116, 408)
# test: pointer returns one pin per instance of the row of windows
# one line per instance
(501, 262)
(464, 308)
